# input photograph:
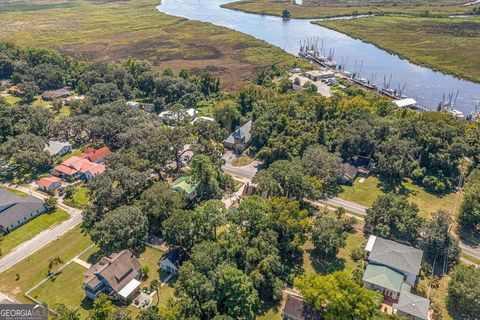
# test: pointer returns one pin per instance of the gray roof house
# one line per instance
(297, 309)
(412, 306)
(58, 148)
(117, 273)
(172, 261)
(393, 269)
(397, 256)
(15, 210)
(240, 138)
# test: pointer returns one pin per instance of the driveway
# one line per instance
(40, 240)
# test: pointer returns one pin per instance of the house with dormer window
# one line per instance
(118, 274)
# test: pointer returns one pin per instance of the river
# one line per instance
(423, 84)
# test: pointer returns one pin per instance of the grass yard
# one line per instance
(12, 99)
(335, 8)
(34, 268)
(114, 30)
(150, 258)
(447, 45)
(31, 229)
(53, 291)
(80, 199)
(365, 193)
(343, 260)
(242, 161)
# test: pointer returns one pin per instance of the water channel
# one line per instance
(423, 84)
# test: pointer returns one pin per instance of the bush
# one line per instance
(357, 254)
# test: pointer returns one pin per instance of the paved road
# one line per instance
(470, 250)
(348, 205)
(245, 173)
(40, 240)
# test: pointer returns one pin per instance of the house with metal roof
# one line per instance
(58, 148)
(240, 139)
(412, 306)
(401, 258)
(393, 269)
(15, 210)
(182, 185)
(118, 273)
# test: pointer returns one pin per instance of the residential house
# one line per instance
(49, 183)
(356, 166)
(15, 91)
(78, 168)
(297, 309)
(180, 115)
(393, 269)
(58, 148)
(134, 104)
(363, 164)
(118, 274)
(203, 118)
(189, 190)
(412, 306)
(16, 210)
(350, 173)
(56, 94)
(172, 261)
(240, 139)
(96, 155)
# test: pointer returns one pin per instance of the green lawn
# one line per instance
(365, 193)
(343, 260)
(150, 258)
(81, 197)
(53, 291)
(12, 99)
(39, 102)
(34, 268)
(31, 229)
(242, 161)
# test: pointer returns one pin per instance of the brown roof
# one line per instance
(118, 269)
(56, 94)
(297, 308)
(349, 171)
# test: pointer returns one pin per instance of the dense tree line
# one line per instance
(238, 270)
(427, 147)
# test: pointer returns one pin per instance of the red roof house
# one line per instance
(77, 167)
(96, 155)
(48, 183)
